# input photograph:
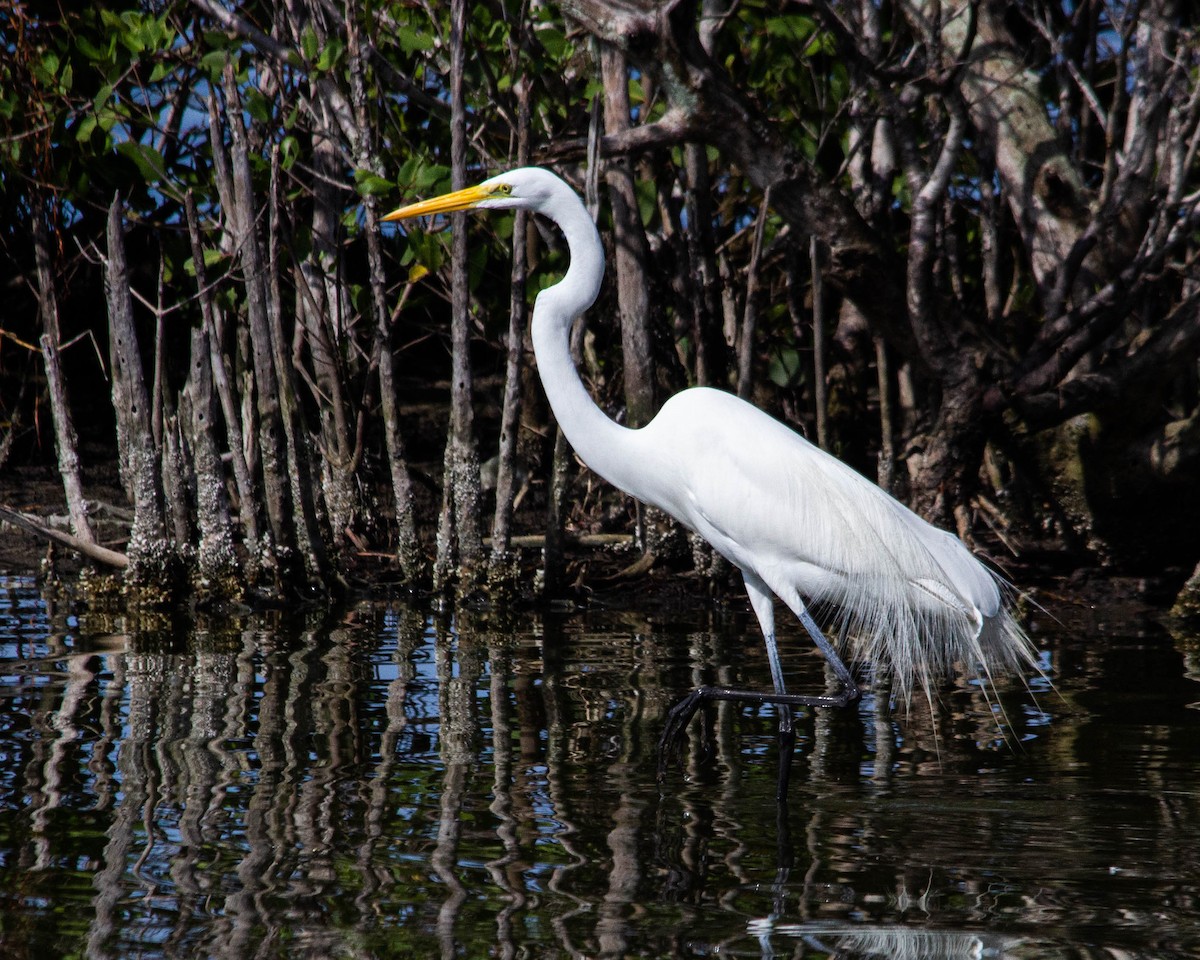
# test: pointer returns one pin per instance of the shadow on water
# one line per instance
(379, 784)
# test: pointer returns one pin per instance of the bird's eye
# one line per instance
(502, 189)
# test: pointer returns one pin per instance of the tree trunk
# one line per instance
(270, 426)
(1004, 99)
(562, 469)
(748, 335)
(66, 441)
(150, 555)
(302, 472)
(408, 548)
(554, 557)
(820, 344)
(175, 472)
(462, 477)
(510, 416)
(954, 447)
(242, 477)
(631, 252)
(322, 309)
(885, 464)
(705, 278)
(216, 561)
(947, 477)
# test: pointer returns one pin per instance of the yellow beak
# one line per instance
(447, 203)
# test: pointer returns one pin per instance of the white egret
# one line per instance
(798, 523)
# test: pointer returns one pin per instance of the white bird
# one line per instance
(798, 523)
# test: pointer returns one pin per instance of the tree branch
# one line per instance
(673, 128)
(93, 551)
(1173, 345)
(663, 40)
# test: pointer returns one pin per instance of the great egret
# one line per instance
(798, 523)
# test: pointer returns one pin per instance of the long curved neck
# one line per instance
(599, 441)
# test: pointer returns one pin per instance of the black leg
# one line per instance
(787, 748)
(681, 714)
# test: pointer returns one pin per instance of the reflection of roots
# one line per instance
(958, 722)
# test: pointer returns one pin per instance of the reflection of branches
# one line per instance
(139, 777)
(409, 629)
(63, 722)
(253, 807)
(558, 779)
(460, 727)
(502, 799)
(625, 874)
(209, 769)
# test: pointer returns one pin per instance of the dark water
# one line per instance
(379, 784)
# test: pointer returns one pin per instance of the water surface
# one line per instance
(377, 782)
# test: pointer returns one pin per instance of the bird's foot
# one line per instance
(787, 747)
(678, 717)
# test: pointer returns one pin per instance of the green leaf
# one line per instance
(330, 55)
(86, 127)
(371, 184)
(258, 106)
(148, 160)
(553, 41)
(412, 40)
(822, 43)
(646, 192)
(289, 151)
(785, 367)
(790, 26)
(308, 44)
(213, 63)
(433, 175)
(50, 64)
(90, 50)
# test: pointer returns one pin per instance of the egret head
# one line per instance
(528, 188)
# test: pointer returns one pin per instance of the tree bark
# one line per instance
(820, 344)
(66, 440)
(510, 415)
(663, 40)
(631, 253)
(242, 477)
(462, 461)
(323, 312)
(748, 335)
(301, 472)
(1003, 97)
(408, 548)
(704, 277)
(150, 555)
(954, 446)
(216, 561)
(272, 457)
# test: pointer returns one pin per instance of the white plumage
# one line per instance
(798, 523)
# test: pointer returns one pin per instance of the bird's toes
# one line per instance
(677, 720)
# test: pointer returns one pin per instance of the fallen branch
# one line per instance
(538, 541)
(92, 551)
